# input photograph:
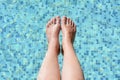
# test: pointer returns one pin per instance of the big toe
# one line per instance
(57, 20)
(64, 20)
(51, 21)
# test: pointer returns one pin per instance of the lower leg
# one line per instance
(50, 68)
(71, 67)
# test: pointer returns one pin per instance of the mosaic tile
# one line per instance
(23, 40)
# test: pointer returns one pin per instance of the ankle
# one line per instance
(54, 46)
(67, 44)
(67, 48)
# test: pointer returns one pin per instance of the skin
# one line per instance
(71, 67)
(50, 67)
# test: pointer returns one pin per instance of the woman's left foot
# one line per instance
(52, 32)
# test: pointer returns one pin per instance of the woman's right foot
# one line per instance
(68, 30)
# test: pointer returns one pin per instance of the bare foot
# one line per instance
(52, 31)
(68, 29)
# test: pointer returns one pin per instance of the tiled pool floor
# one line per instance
(23, 41)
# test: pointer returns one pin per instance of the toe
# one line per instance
(64, 20)
(58, 20)
(73, 24)
(49, 23)
(74, 27)
(69, 21)
(54, 21)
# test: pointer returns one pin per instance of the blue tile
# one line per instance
(23, 39)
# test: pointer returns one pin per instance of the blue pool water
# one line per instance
(23, 40)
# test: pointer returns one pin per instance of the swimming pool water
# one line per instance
(23, 40)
